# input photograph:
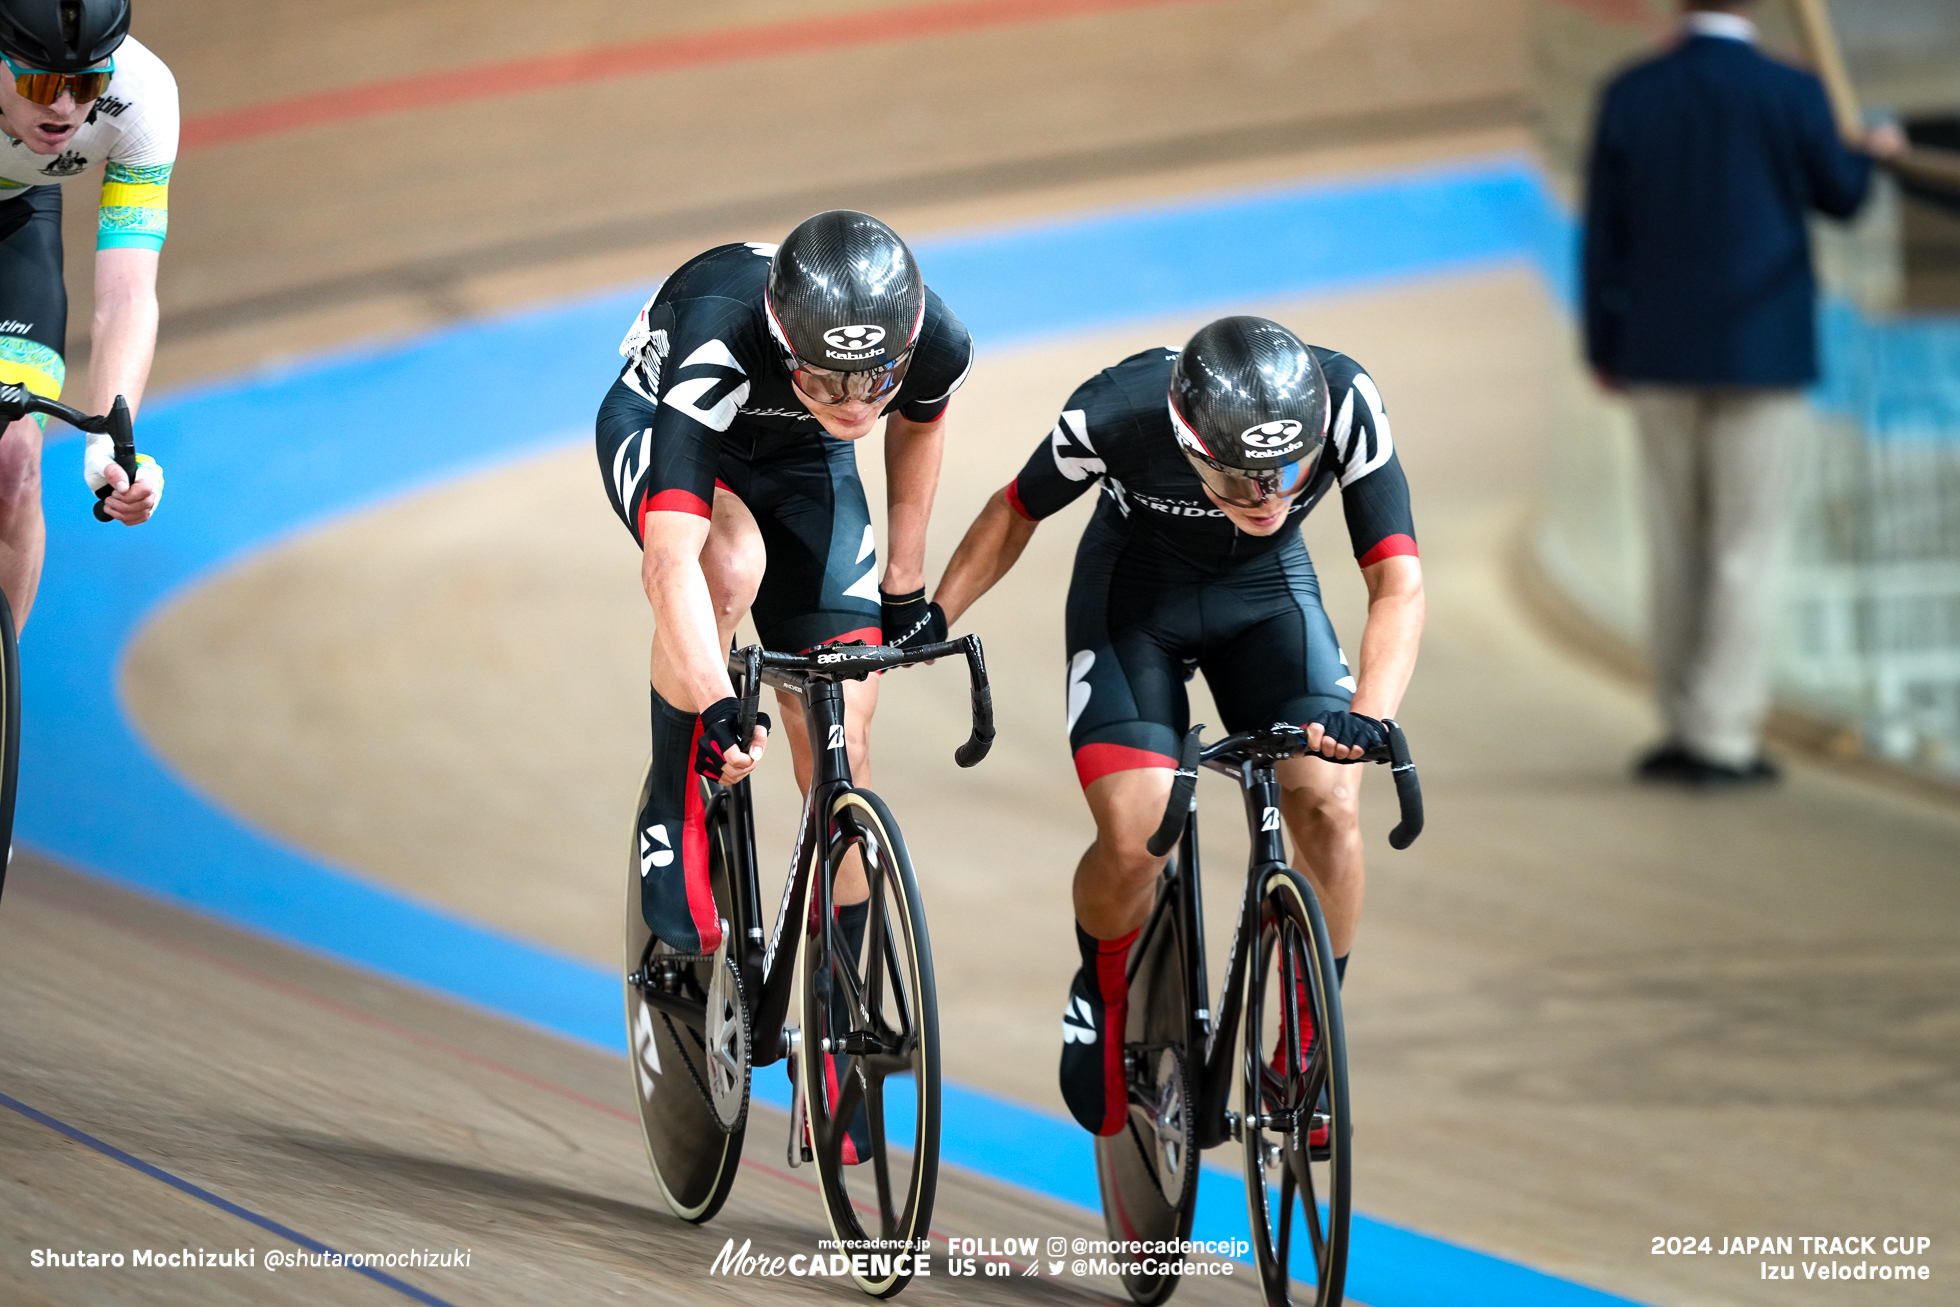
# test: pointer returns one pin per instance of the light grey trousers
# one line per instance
(1723, 465)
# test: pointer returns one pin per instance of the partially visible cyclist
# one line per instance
(1209, 458)
(77, 90)
(725, 446)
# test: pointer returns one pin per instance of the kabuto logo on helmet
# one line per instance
(853, 342)
(1270, 435)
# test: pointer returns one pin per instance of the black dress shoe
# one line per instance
(1723, 776)
(1665, 762)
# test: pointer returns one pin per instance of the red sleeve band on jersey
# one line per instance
(672, 501)
(1394, 546)
(1013, 493)
(1095, 761)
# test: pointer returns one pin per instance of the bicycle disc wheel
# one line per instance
(1148, 1173)
(870, 1052)
(1295, 1110)
(691, 1084)
(9, 735)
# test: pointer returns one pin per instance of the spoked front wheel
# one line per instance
(1148, 1172)
(869, 1049)
(690, 1056)
(1295, 1111)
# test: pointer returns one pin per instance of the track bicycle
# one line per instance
(1278, 1036)
(864, 1043)
(16, 402)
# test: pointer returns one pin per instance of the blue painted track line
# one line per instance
(204, 1195)
(257, 460)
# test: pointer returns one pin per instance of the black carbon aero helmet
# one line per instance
(845, 302)
(1249, 405)
(62, 36)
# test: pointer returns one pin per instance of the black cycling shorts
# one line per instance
(1140, 619)
(821, 580)
(33, 299)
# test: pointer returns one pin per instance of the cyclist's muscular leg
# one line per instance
(1115, 883)
(732, 563)
(1321, 803)
(676, 898)
(23, 533)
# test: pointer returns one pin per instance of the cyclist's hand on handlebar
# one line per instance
(128, 504)
(715, 753)
(1346, 736)
(909, 620)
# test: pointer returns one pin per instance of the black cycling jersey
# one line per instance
(703, 373)
(1117, 429)
(705, 401)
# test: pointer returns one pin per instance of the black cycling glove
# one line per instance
(717, 738)
(1352, 728)
(908, 621)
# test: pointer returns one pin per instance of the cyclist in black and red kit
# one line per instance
(1208, 459)
(725, 448)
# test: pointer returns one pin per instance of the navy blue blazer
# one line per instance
(1705, 163)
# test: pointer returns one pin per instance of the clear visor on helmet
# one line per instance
(1249, 489)
(829, 386)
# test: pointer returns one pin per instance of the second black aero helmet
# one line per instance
(63, 36)
(845, 297)
(1249, 405)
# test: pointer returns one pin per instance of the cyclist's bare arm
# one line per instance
(124, 340)
(990, 548)
(1389, 642)
(913, 451)
(690, 662)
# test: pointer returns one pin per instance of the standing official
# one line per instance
(1700, 304)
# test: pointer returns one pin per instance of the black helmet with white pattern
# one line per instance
(1249, 405)
(62, 36)
(845, 302)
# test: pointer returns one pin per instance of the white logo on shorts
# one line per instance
(1078, 684)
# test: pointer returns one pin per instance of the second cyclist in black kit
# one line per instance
(725, 448)
(1208, 459)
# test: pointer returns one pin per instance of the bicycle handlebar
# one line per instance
(17, 401)
(855, 662)
(1283, 741)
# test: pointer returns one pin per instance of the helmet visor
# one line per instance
(829, 386)
(1242, 488)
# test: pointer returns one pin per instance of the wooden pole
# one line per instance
(1820, 42)
(1939, 168)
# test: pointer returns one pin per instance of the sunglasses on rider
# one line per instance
(45, 88)
(829, 386)
(1242, 489)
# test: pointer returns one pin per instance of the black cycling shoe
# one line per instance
(1093, 1082)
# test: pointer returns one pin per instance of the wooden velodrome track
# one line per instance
(1581, 1015)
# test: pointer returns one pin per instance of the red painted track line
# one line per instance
(703, 49)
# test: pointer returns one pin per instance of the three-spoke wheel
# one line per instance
(1295, 1107)
(869, 1049)
(687, 1031)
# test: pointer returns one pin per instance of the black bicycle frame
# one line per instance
(815, 680)
(768, 972)
(1251, 758)
(1217, 1038)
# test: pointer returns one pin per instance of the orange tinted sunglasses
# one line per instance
(46, 88)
